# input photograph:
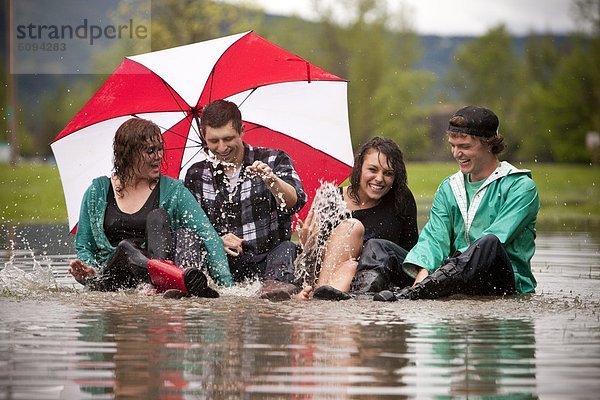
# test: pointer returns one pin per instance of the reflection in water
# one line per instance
(148, 348)
(479, 356)
(59, 342)
(154, 349)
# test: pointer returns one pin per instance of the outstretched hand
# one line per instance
(307, 229)
(80, 271)
(284, 193)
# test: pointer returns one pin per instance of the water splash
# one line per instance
(329, 210)
(219, 168)
(17, 282)
(249, 289)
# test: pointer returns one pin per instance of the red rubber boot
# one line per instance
(166, 275)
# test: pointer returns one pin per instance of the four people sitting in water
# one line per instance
(140, 226)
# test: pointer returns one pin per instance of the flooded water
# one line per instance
(57, 342)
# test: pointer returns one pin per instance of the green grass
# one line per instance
(32, 193)
(569, 194)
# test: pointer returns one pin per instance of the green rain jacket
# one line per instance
(506, 205)
(94, 249)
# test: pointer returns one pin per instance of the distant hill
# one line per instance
(437, 53)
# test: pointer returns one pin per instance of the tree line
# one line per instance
(547, 94)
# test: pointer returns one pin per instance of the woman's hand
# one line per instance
(80, 271)
(307, 228)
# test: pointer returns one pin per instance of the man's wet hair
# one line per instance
(218, 113)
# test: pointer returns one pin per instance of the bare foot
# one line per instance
(80, 271)
(305, 293)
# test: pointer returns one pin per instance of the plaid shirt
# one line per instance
(250, 210)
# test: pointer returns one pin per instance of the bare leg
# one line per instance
(342, 250)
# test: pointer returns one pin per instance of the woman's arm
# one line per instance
(85, 244)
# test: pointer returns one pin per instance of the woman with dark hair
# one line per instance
(383, 217)
(134, 221)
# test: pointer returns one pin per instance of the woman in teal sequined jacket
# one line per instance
(94, 249)
(141, 226)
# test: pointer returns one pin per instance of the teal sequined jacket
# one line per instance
(94, 249)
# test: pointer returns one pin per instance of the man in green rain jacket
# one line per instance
(480, 236)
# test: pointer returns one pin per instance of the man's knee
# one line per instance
(289, 247)
(286, 250)
(490, 239)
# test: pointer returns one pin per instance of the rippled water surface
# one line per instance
(57, 342)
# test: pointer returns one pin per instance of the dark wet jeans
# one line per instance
(277, 264)
(484, 268)
(385, 258)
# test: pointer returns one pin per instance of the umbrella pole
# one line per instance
(202, 142)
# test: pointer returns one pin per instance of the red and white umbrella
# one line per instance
(286, 103)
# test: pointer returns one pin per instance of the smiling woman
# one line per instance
(383, 217)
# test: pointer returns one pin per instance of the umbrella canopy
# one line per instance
(286, 103)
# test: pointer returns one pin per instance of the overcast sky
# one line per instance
(457, 17)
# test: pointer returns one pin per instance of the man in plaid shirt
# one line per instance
(250, 196)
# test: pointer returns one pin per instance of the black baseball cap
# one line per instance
(478, 121)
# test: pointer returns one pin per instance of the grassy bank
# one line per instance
(569, 194)
(32, 193)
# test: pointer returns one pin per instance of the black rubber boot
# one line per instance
(445, 281)
(136, 260)
(385, 295)
(197, 284)
(327, 292)
(409, 293)
(369, 281)
(126, 268)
